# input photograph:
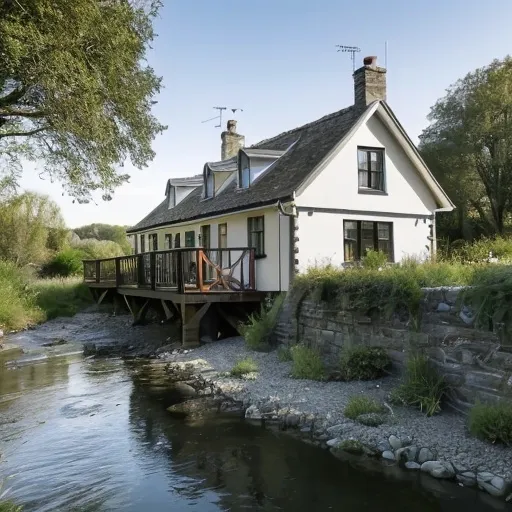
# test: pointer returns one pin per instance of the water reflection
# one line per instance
(86, 437)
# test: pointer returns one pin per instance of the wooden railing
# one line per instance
(186, 270)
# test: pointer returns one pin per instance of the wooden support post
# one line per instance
(179, 272)
(129, 305)
(139, 316)
(190, 323)
(168, 313)
(118, 272)
(98, 271)
(152, 269)
(252, 270)
(140, 270)
(199, 265)
(102, 296)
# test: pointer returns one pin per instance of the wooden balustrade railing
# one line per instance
(186, 270)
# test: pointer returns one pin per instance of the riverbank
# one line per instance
(438, 445)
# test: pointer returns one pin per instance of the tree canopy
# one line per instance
(468, 145)
(107, 232)
(75, 91)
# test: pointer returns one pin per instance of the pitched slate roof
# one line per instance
(305, 147)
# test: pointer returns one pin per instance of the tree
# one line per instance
(75, 92)
(105, 232)
(31, 228)
(470, 142)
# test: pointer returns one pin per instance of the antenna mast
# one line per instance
(352, 50)
(219, 117)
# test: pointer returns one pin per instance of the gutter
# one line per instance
(292, 215)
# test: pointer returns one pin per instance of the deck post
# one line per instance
(98, 271)
(118, 272)
(179, 272)
(252, 270)
(191, 317)
(140, 269)
(199, 264)
(152, 269)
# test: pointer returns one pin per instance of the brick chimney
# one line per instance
(369, 83)
(231, 141)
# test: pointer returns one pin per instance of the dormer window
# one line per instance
(244, 173)
(208, 184)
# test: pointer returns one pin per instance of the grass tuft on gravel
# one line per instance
(307, 363)
(244, 366)
(492, 423)
(362, 404)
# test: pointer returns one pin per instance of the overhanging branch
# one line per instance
(24, 134)
(21, 113)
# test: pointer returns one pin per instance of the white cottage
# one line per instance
(324, 192)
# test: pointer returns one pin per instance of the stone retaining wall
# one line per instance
(477, 365)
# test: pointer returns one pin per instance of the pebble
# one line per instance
(388, 455)
(333, 442)
(412, 465)
(438, 469)
(408, 453)
(425, 455)
(467, 478)
(395, 443)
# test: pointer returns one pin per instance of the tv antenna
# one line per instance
(219, 117)
(352, 50)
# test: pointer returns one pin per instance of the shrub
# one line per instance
(307, 363)
(65, 263)
(244, 366)
(492, 422)
(259, 327)
(284, 354)
(351, 446)
(478, 251)
(362, 404)
(364, 363)
(374, 260)
(9, 506)
(422, 386)
(98, 249)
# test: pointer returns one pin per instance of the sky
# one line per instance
(277, 60)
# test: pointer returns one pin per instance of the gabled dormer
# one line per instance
(215, 174)
(178, 188)
(253, 163)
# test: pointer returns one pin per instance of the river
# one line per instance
(82, 434)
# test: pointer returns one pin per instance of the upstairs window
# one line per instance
(361, 236)
(370, 164)
(256, 235)
(244, 175)
(208, 185)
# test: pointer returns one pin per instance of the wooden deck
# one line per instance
(184, 281)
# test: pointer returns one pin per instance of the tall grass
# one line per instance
(25, 300)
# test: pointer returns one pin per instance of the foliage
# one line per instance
(65, 263)
(492, 422)
(61, 297)
(351, 446)
(98, 249)
(284, 354)
(362, 404)
(468, 144)
(75, 90)
(259, 327)
(374, 260)
(9, 506)
(32, 226)
(422, 386)
(26, 301)
(479, 251)
(110, 232)
(244, 366)
(490, 296)
(364, 363)
(307, 363)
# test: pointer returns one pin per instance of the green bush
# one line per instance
(422, 386)
(492, 422)
(362, 404)
(244, 366)
(98, 249)
(259, 327)
(478, 251)
(65, 263)
(9, 506)
(374, 260)
(307, 363)
(364, 363)
(284, 354)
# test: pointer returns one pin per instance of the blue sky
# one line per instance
(278, 62)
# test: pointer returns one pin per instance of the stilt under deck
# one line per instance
(195, 286)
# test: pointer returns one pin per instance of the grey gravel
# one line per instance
(445, 434)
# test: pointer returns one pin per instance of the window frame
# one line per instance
(369, 189)
(153, 242)
(260, 245)
(188, 238)
(222, 236)
(359, 240)
(168, 240)
(209, 178)
(177, 241)
(142, 243)
(242, 159)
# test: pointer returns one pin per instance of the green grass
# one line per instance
(9, 506)
(307, 363)
(259, 327)
(244, 366)
(422, 386)
(284, 354)
(364, 363)
(362, 404)
(492, 422)
(25, 300)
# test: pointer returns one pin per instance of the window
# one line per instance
(153, 242)
(244, 177)
(361, 236)
(190, 238)
(256, 234)
(205, 236)
(142, 244)
(370, 164)
(168, 241)
(208, 185)
(177, 240)
(223, 236)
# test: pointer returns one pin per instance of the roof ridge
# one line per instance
(307, 125)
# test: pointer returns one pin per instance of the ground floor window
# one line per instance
(256, 234)
(153, 242)
(177, 240)
(168, 241)
(142, 244)
(361, 236)
(190, 238)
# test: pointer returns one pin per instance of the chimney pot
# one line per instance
(232, 126)
(370, 61)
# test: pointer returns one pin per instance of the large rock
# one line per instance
(198, 408)
(253, 413)
(425, 455)
(407, 454)
(182, 391)
(494, 485)
(395, 443)
(438, 469)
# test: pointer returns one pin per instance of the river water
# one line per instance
(79, 434)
